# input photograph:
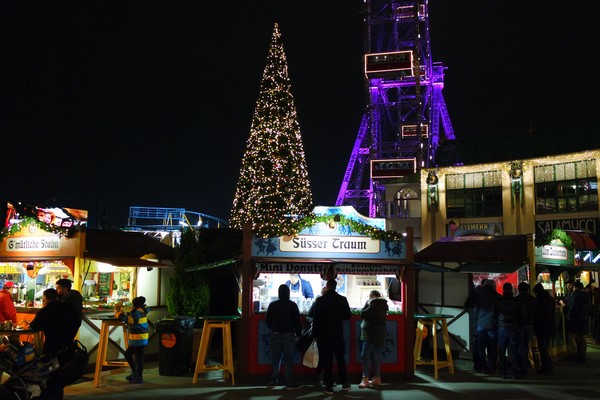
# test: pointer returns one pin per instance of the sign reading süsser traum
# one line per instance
(334, 244)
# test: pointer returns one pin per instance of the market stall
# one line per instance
(338, 244)
(41, 245)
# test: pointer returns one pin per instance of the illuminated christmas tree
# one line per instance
(273, 188)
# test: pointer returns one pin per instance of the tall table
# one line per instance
(433, 320)
(108, 322)
(222, 322)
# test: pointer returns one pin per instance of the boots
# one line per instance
(364, 383)
(376, 381)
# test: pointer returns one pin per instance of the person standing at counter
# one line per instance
(331, 309)
(8, 312)
(372, 334)
(70, 296)
(578, 320)
(283, 318)
(528, 302)
(543, 325)
(487, 329)
(510, 314)
(299, 287)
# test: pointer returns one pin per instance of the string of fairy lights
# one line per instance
(273, 182)
(273, 192)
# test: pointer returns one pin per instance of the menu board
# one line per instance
(104, 284)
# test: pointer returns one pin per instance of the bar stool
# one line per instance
(432, 320)
(105, 331)
(210, 323)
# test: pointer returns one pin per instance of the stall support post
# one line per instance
(408, 301)
(247, 273)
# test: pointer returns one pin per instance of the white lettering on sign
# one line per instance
(555, 252)
(588, 225)
(334, 244)
(33, 243)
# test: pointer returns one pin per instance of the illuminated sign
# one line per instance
(411, 130)
(408, 12)
(393, 168)
(33, 243)
(333, 244)
(397, 63)
(346, 268)
(555, 252)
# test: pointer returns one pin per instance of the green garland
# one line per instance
(295, 226)
(556, 234)
(27, 221)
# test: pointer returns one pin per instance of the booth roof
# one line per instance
(478, 253)
(583, 240)
(126, 248)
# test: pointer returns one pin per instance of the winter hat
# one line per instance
(139, 302)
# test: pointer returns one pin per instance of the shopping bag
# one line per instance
(311, 356)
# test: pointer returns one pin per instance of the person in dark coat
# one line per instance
(528, 302)
(70, 296)
(487, 328)
(578, 319)
(372, 334)
(283, 318)
(60, 323)
(470, 305)
(510, 315)
(331, 309)
(543, 325)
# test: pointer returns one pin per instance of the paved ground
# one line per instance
(571, 381)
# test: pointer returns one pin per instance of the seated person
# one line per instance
(59, 321)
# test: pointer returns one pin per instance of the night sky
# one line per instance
(106, 105)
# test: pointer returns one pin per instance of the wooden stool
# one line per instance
(210, 323)
(103, 346)
(432, 320)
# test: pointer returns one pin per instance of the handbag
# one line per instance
(311, 356)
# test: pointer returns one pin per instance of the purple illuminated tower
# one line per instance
(406, 115)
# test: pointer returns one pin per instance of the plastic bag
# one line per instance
(311, 356)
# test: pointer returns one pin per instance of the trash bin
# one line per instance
(176, 335)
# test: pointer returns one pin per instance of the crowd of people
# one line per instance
(504, 325)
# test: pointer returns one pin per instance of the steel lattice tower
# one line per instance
(406, 113)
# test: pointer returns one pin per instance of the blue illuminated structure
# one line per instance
(171, 219)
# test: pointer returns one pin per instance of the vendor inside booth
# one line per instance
(338, 244)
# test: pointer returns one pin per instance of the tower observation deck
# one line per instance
(406, 115)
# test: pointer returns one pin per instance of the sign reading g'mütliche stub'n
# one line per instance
(331, 244)
(33, 243)
(555, 252)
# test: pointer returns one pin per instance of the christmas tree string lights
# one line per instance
(273, 188)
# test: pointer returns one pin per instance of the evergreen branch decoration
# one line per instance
(556, 234)
(293, 227)
(28, 221)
